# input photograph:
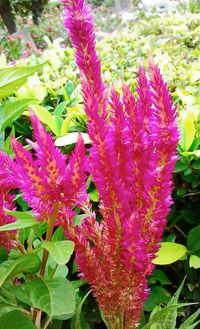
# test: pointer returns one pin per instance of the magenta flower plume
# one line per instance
(50, 182)
(7, 239)
(131, 160)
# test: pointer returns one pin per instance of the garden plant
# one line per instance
(86, 179)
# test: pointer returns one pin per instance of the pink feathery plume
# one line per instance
(78, 21)
(131, 161)
(7, 238)
(44, 175)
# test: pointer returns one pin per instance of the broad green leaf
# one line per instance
(60, 251)
(189, 322)
(12, 78)
(72, 138)
(193, 240)
(13, 110)
(46, 117)
(169, 253)
(188, 131)
(29, 263)
(16, 320)
(56, 297)
(194, 261)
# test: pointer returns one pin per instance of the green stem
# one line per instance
(50, 228)
(114, 321)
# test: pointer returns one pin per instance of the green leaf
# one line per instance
(193, 240)
(56, 297)
(94, 195)
(19, 224)
(189, 322)
(60, 251)
(158, 295)
(12, 78)
(13, 110)
(188, 131)
(46, 117)
(20, 214)
(78, 311)
(180, 165)
(194, 261)
(169, 253)
(29, 263)
(60, 108)
(16, 320)
(77, 220)
(163, 318)
(159, 276)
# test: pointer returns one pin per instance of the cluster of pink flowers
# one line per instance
(51, 183)
(132, 157)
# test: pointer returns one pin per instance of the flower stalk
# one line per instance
(131, 162)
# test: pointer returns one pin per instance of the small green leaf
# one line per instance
(12, 78)
(29, 263)
(194, 261)
(60, 251)
(56, 297)
(180, 165)
(188, 131)
(60, 108)
(46, 117)
(189, 322)
(169, 253)
(94, 195)
(13, 110)
(159, 276)
(77, 220)
(193, 240)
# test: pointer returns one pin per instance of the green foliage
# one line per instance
(13, 77)
(16, 319)
(56, 297)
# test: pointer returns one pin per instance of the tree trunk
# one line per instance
(7, 16)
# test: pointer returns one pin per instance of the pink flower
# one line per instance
(131, 161)
(48, 179)
(7, 238)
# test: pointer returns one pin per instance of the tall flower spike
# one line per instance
(131, 162)
(44, 177)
